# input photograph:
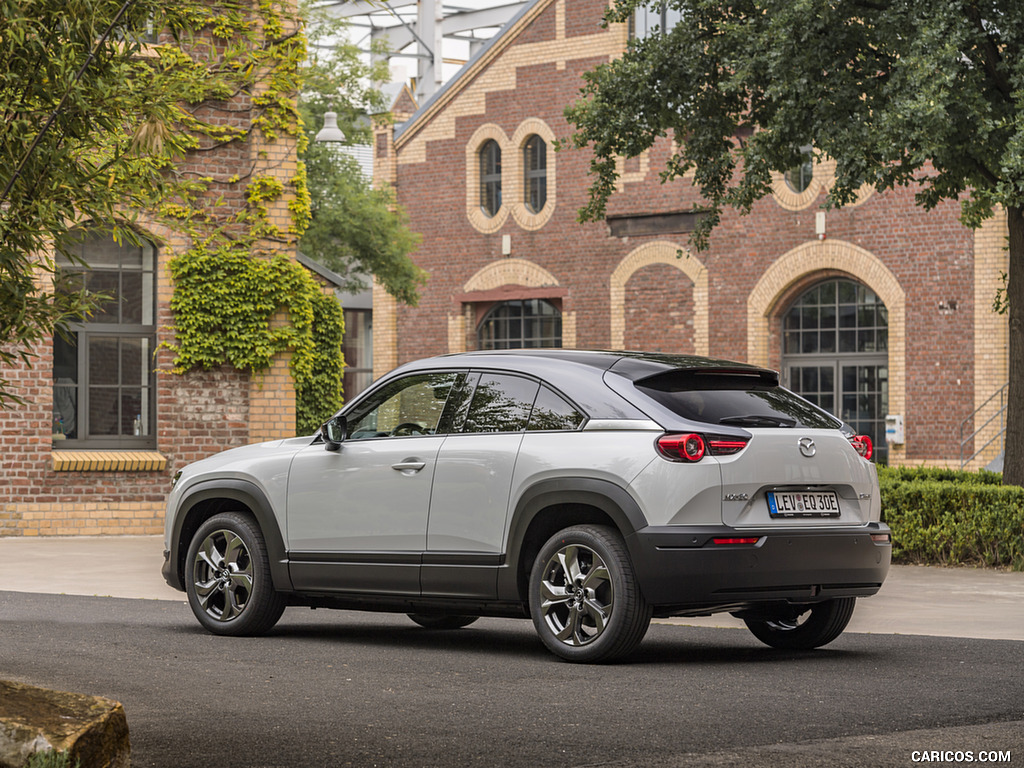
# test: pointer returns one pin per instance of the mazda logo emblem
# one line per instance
(807, 447)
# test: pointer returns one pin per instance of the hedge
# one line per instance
(948, 517)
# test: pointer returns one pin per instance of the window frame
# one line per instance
(489, 156)
(94, 329)
(535, 173)
(522, 336)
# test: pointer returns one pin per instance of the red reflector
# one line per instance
(740, 540)
(863, 445)
(725, 446)
(682, 447)
(881, 538)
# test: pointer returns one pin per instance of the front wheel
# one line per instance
(584, 597)
(816, 626)
(227, 577)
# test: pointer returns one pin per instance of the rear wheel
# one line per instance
(817, 626)
(584, 597)
(429, 621)
(228, 577)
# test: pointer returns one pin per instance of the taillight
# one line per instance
(688, 447)
(692, 447)
(726, 446)
(863, 445)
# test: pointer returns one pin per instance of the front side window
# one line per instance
(412, 405)
(103, 377)
(490, 177)
(521, 324)
(535, 170)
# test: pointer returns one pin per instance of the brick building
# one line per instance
(876, 309)
(105, 423)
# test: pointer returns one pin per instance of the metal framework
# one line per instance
(424, 30)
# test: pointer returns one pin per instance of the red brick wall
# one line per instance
(929, 253)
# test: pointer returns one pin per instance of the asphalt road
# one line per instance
(331, 688)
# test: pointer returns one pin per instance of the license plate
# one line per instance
(803, 503)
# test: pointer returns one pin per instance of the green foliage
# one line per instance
(923, 94)
(51, 759)
(95, 123)
(319, 396)
(946, 517)
(355, 230)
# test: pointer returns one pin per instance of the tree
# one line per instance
(79, 114)
(98, 117)
(922, 93)
(355, 230)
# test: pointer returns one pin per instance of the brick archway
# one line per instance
(660, 252)
(777, 284)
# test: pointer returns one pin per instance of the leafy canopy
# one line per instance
(356, 230)
(897, 92)
(920, 93)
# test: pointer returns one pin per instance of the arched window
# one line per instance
(490, 177)
(104, 392)
(799, 177)
(835, 353)
(519, 324)
(535, 173)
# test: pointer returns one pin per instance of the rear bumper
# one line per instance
(682, 569)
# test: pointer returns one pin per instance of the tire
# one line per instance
(227, 577)
(584, 598)
(818, 626)
(429, 621)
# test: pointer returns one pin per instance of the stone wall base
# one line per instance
(82, 519)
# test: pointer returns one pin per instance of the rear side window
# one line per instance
(551, 412)
(501, 403)
(739, 400)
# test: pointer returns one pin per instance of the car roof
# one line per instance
(633, 365)
(578, 373)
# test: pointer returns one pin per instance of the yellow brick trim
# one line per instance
(510, 272)
(838, 256)
(514, 172)
(824, 176)
(385, 330)
(495, 71)
(660, 252)
(457, 333)
(991, 331)
(478, 218)
(108, 461)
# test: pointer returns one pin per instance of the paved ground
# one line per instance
(949, 602)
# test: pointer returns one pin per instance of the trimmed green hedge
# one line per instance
(948, 517)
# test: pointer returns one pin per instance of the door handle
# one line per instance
(409, 466)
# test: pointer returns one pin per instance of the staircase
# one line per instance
(996, 407)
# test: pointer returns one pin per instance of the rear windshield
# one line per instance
(739, 400)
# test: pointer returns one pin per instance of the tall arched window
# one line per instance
(490, 177)
(519, 324)
(535, 173)
(104, 392)
(835, 353)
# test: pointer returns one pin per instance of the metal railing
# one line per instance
(1001, 395)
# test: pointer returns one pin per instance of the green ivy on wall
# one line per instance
(236, 301)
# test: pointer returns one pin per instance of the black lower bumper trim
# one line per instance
(682, 567)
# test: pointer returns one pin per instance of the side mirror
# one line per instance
(334, 433)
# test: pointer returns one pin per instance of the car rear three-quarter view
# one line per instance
(589, 491)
